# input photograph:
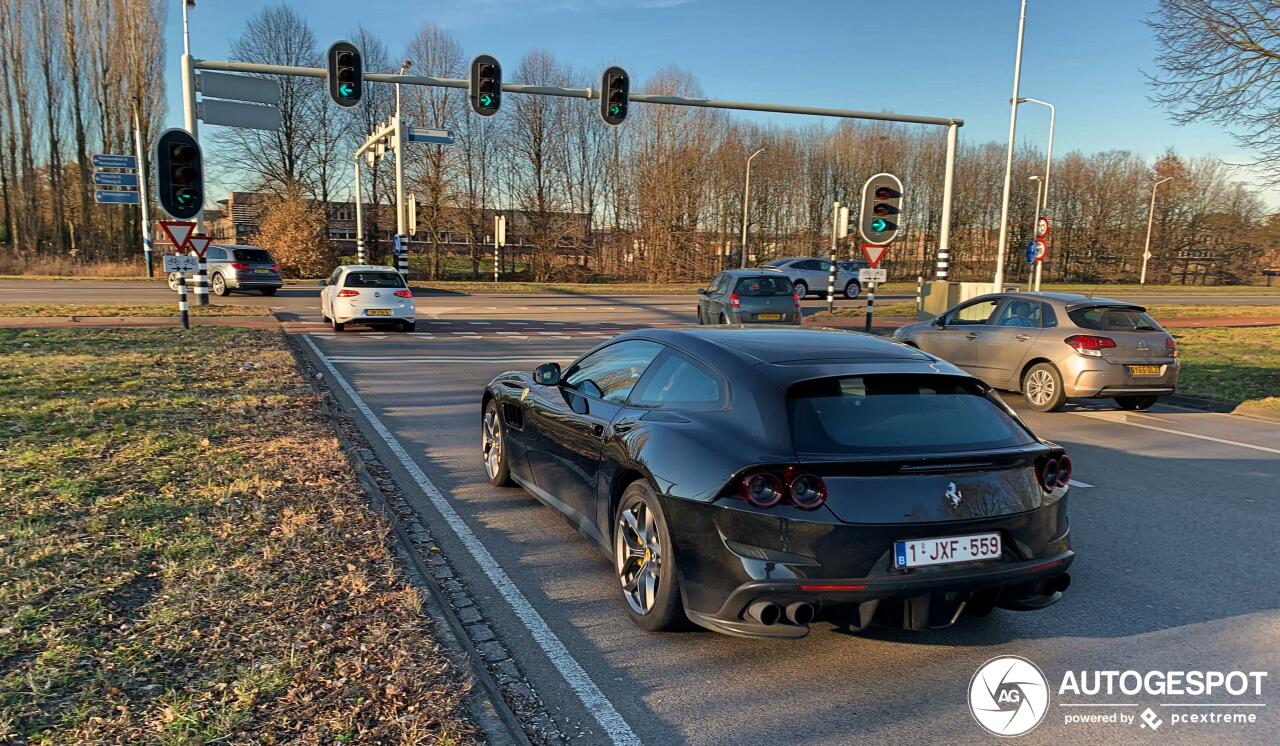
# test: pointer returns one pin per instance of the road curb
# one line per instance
(490, 707)
(1257, 413)
(1200, 402)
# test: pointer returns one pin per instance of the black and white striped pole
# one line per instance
(871, 303)
(839, 216)
(182, 300)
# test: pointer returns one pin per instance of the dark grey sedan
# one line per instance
(749, 296)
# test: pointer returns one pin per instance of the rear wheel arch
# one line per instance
(1033, 362)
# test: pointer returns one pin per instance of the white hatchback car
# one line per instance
(365, 294)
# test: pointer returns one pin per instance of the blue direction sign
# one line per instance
(115, 179)
(103, 197)
(434, 136)
(101, 160)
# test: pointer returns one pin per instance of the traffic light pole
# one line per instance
(359, 216)
(142, 196)
(190, 123)
(942, 262)
(402, 259)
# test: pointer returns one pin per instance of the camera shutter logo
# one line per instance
(1009, 696)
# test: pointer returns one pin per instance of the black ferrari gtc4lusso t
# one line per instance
(757, 479)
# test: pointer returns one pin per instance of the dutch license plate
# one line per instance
(261, 271)
(1144, 370)
(768, 317)
(378, 312)
(946, 550)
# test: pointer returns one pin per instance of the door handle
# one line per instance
(597, 429)
(971, 335)
(622, 427)
(1023, 337)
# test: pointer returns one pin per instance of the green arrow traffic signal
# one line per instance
(345, 90)
(879, 225)
(615, 110)
(486, 99)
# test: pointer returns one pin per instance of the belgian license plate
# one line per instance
(946, 550)
(768, 317)
(261, 271)
(378, 312)
(1144, 370)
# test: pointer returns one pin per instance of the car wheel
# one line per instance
(337, 326)
(219, 285)
(701, 320)
(1137, 402)
(852, 289)
(1042, 388)
(724, 320)
(407, 326)
(801, 289)
(269, 291)
(493, 447)
(645, 561)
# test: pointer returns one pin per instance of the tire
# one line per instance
(724, 320)
(701, 320)
(269, 291)
(644, 560)
(219, 285)
(337, 327)
(1042, 388)
(852, 289)
(1137, 402)
(407, 326)
(801, 289)
(493, 446)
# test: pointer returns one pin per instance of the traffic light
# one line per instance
(880, 216)
(615, 87)
(486, 85)
(179, 174)
(346, 73)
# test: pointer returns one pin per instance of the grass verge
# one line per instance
(1232, 364)
(146, 309)
(187, 557)
(1206, 312)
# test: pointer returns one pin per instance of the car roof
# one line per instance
(369, 268)
(770, 344)
(1071, 301)
(239, 246)
(752, 272)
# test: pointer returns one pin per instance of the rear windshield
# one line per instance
(252, 255)
(897, 414)
(758, 286)
(1113, 319)
(373, 279)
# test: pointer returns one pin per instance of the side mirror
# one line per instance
(939, 322)
(702, 291)
(321, 283)
(547, 374)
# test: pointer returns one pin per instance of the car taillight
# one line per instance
(1053, 473)
(1171, 347)
(762, 490)
(403, 294)
(735, 301)
(275, 267)
(348, 293)
(808, 491)
(1088, 344)
(239, 265)
(796, 297)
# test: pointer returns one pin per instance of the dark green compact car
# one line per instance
(749, 296)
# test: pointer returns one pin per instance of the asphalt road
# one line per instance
(1175, 534)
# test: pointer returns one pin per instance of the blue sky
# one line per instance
(931, 57)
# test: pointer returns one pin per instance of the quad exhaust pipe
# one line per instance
(768, 613)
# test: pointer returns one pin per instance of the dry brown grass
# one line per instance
(56, 266)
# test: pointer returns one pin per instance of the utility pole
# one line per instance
(190, 123)
(1003, 243)
(1151, 213)
(402, 261)
(359, 217)
(142, 195)
(1043, 206)
(746, 192)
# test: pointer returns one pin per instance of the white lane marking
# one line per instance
(478, 323)
(1075, 483)
(509, 334)
(1171, 431)
(439, 322)
(520, 308)
(465, 334)
(549, 334)
(592, 698)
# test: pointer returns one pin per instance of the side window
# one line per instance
(214, 254)
(974, 313)
(807, 264)
(611, 373)
(337, 273)
(717, 282)
(677, 382)
(1050, 318)
(1020, 313)
(824, 265)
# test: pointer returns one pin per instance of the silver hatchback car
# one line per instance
(1055, 346)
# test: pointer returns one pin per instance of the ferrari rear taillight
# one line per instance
(1053, 472)
(348, 293)
(765, 489)
(1089, 344)
(735, 301)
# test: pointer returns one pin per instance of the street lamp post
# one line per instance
(402, 261)
(746, 193)
(1003, 242)
(1151, 213)
(1048, 164)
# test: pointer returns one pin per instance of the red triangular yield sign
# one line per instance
(178, 231)
(199, 243)
(874, 253)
